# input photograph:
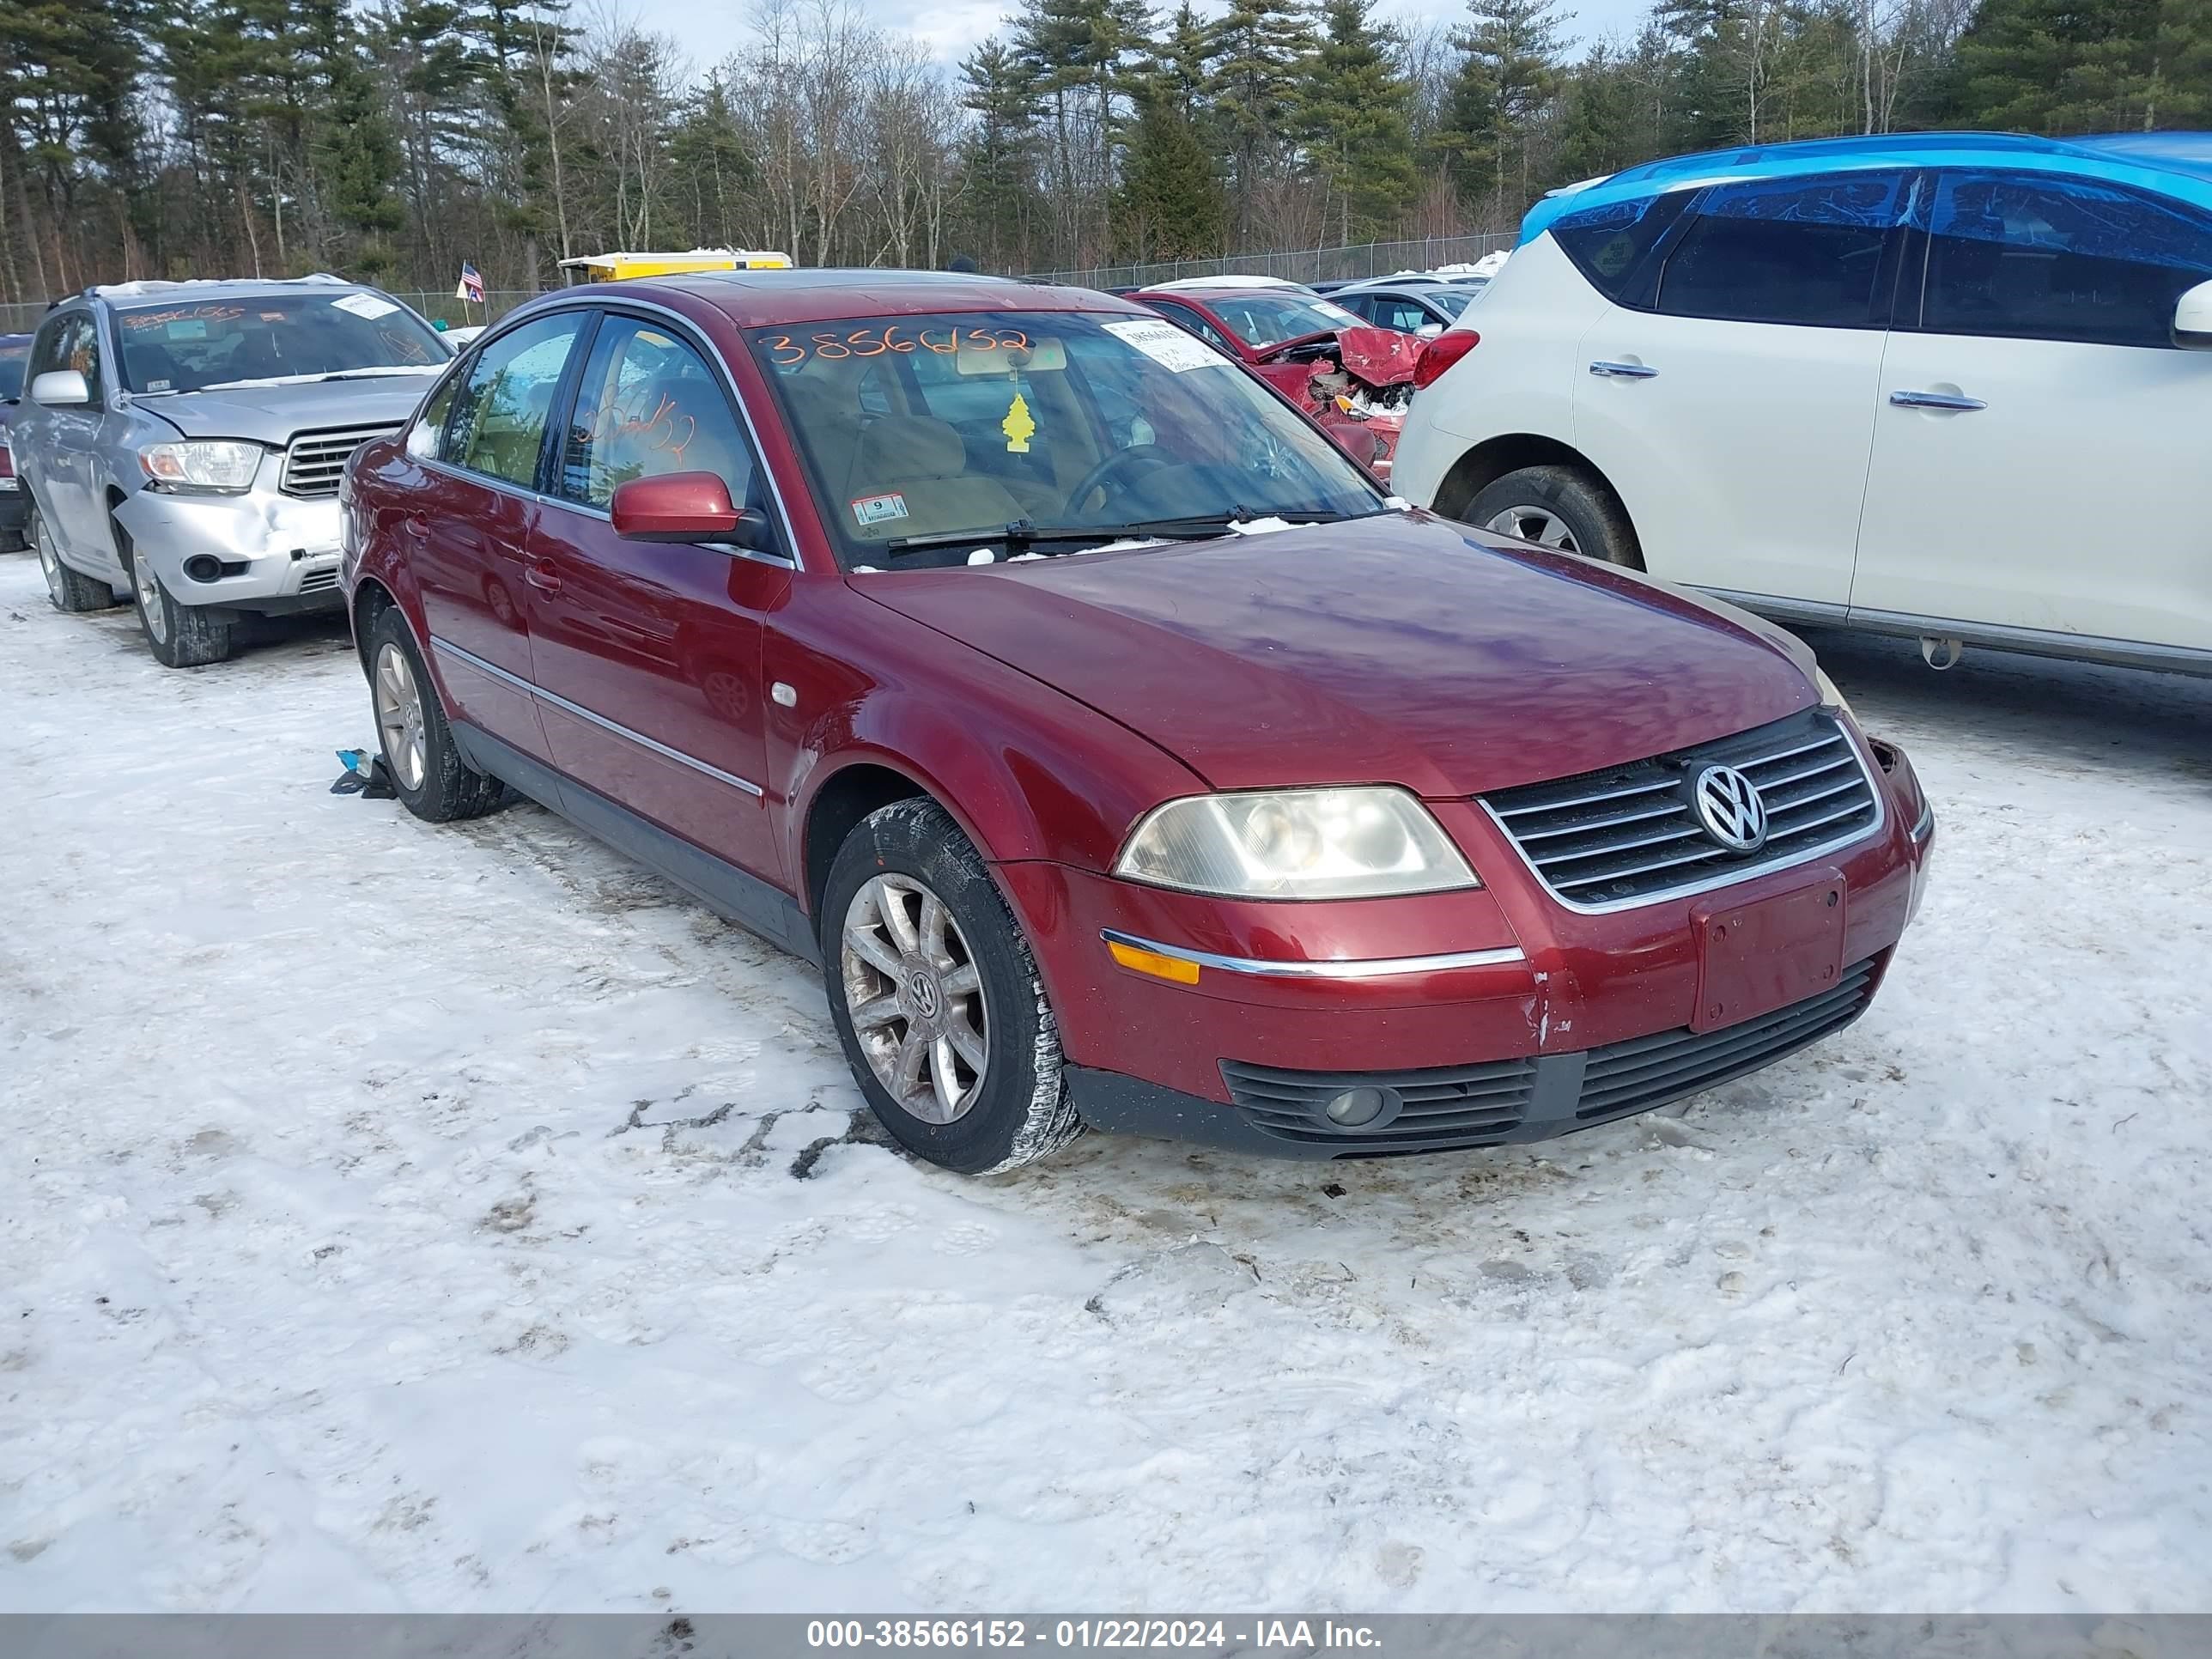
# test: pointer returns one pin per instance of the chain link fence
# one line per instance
(1323, 264)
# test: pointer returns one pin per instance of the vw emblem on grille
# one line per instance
(1728, 805)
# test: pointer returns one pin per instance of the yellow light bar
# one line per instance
(1153, 963)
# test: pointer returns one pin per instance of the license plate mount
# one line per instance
(1765, 954)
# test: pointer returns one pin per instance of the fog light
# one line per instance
(204, 568)
(1356, 1109)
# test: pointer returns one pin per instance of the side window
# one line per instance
(1362, 306)
(81, 353)
(47, 349)
(1612, 244)
(1803, 250)
(647, 404)
(496, 422)
(1405, 315)
(2049, 259)
(1191, 322)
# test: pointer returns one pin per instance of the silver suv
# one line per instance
(182, 443)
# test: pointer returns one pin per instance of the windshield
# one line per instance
(192, 345)
(1046, 432)
(13, 356)
(1264, 319)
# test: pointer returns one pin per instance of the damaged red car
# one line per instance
(1352, 377)
(1121, 753)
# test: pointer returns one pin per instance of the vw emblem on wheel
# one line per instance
(922, 988)
(1728, 805)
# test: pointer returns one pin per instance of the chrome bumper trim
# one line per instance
(1366, 968)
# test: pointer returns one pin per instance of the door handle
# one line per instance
(1622, 371)
(1934, 400)
(542, 576)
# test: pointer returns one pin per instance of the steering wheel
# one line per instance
(1110, 468)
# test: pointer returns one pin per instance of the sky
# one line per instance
(710, 30)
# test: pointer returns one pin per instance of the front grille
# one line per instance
(317, 581)
(1627, 834)
(1450, 1106)
(1540, 1095)
(1647, 1072)
(316, 460)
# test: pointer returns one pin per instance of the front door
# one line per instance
(648, 655)
(484, 436)
(65, 445)
(2033, 457)
(1735, 415)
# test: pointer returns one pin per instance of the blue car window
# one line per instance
(2033, 257)
(1801, 251)
(1612, 244)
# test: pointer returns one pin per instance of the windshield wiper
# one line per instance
(1019, 536)
(1022, 536)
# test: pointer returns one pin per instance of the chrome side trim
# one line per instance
(1925, 826)
(1817, 613)
(596, 719)
(2038, 641)
(1741, 873)
(1367, 968)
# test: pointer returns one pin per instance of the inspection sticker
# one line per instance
(365, 305)
(879, 509)
(1168, 345)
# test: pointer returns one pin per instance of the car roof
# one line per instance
(216, 287)
(761, 299)
(2176, 164)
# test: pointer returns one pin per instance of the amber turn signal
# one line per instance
(1152, 961)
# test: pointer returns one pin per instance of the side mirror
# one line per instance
(686, 506)
(60, 388)
(2193, 319)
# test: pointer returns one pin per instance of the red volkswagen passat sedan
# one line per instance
(1118, 752)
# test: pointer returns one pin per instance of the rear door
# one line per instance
(648, 655)
(1733, 405)
(2034, 463)
(471, 529)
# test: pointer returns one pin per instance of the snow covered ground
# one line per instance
(403, 1218)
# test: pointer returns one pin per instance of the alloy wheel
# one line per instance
(48, 564)
(151, 609)
(399, 717)
(915, 998)
(1539, 525)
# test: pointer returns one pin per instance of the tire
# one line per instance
(178, 635)
(70, 591)
(1559, 506)
(427, 772)
(1016, 1109)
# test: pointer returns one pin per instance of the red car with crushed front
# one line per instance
(1353, 376)
(1120, 754)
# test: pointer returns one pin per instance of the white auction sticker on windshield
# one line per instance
(1166, 345)
(366, 305)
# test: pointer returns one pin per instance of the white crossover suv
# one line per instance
(1952, 386)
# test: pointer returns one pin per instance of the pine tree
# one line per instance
(1170, 205)
(999, 152)
(1352, 121)
(1176, 67)
(1257, 47)
(715, 168)
(1512, 69)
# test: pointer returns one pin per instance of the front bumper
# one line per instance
(260, 550)
(1505, 1014)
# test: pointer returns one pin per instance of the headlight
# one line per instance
(1295, 844)
(1830, 698)
(221, 464)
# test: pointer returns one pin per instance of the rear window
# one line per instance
(196, 345)
(1612, 244)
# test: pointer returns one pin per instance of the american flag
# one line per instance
(471, 286)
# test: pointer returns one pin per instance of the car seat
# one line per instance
(923, 463)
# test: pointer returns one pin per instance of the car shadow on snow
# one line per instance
(2059, 716)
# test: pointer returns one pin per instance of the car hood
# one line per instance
(271, 414)
(1401, 649)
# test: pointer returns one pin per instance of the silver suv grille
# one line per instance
(316, 460)
(1627, 836)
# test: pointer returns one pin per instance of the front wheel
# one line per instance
(1559, 506)
(178, 635)
(936, 997)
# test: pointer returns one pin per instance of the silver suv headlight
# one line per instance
(226, 465)
(1375, 842)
